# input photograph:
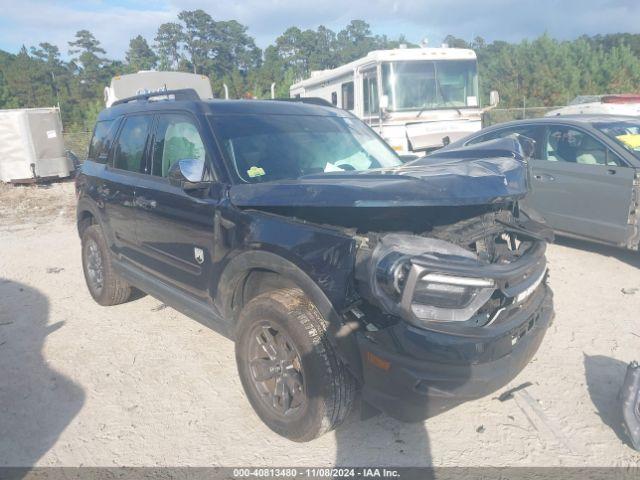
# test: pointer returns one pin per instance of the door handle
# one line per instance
(611, 171)
(544, 177)
(146, 203)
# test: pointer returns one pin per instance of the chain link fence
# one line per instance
(500, 115)
(78, 143)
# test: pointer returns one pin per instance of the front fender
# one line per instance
(341, 335)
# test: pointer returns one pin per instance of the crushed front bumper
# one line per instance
(412, 373)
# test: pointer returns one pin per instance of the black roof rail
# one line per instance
(179, 94)
(311, 100)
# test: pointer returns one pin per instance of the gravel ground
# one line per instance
(142, 385)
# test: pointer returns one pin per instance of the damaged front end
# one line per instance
(468, 273)
(452, 314)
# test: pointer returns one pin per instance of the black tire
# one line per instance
(328, 389)
(110, 288)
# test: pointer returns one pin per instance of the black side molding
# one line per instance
(192, 307)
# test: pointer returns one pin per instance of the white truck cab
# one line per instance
(418, 99)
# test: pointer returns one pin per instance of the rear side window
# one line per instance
(128, 152)
(176, 138)
(101, 141)
(530, 131)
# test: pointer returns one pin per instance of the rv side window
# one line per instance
(101, 141)
(347, 96)
(334, 98)
(370, 95)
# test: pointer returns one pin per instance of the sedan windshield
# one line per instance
(428, 85)
(626, 134)
(274, 147)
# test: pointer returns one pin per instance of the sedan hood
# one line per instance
(470, 177)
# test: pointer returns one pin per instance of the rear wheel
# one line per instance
(105, 286)
(289, 370)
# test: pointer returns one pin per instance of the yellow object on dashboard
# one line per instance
(631, 140)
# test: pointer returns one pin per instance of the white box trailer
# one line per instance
(414, 97)
(31, 145)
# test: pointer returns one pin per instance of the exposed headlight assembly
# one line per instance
(422, 295)
(445, 298)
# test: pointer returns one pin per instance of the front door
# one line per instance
(581, 186)
(175, 229)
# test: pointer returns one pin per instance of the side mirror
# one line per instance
(384, 102)
(528, 146)
(187, 174)
(494, 98)
(408, 158)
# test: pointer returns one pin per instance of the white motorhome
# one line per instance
(148, 81)
(414, 97)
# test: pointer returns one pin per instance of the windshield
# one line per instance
(428, 85)
(626, 134)
(273, 147)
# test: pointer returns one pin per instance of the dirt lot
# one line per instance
(140, 384)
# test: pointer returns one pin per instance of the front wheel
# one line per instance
(290, 372)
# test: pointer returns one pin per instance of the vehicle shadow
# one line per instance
(604, 376)
(627, 256)
(382, 441)
(36, 402)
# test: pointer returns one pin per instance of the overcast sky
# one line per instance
(114, 22)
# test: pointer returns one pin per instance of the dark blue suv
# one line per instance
(293, 229)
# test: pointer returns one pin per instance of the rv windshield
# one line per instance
(262, 148)
(430, 85)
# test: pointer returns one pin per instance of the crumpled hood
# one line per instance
(472, 177)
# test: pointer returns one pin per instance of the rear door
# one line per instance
(582, 187)
(176, 227)
(117, 188)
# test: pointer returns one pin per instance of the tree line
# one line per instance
(541, 72)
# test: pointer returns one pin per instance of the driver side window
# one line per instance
(176, 138)
(370, 94)
(565, 144)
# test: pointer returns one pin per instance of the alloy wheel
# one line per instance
(276, 370)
